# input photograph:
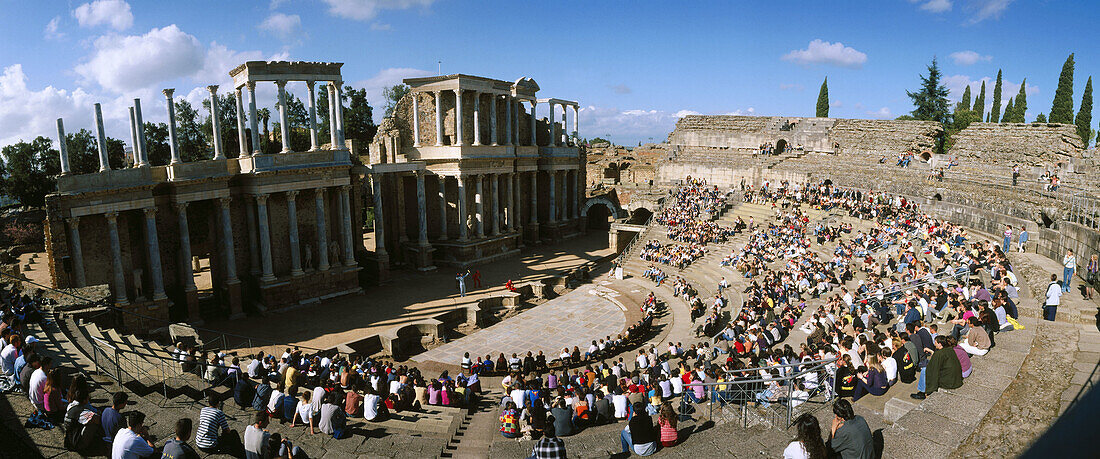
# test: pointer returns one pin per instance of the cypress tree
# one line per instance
(1084, 115)
(1041, 118)
(964, 104)
(979, 103)
(1009, 112)
(823, 100)
(1062, 110)
(1020, 108)
(995, 112)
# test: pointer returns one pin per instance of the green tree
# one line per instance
(823, 100)
(964, 103)
(84, 152)
(31, 170)
(995, 112)
(156, 141)
(1084, 115)
(1062, 110)
(961, 119)
(1009, 112)
(393, 95)
(930, 101)
(1019, 107)
(979, 103)
(1041, 118)
(189, 133)
(227, 124)
(358, 116)
(322, 117)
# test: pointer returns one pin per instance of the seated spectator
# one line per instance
(82, 423)
(213, 435)
(549, 446)
(509, 421)
(873, 381)
(562, 419)
(849, 437)
(177, 448)
(808, 444)
(667, 421)
(332, 420)
(111, 419)
(353, 400)
(51, 396)
(263, 393)
(255, 436)
(132, 441)
(278, 447)
(639, 437)
(304, 412)
(943, 370)
(977, 339)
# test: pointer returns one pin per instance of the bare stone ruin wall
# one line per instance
(1029, 144)
(885, 137)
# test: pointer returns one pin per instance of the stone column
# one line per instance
(534, 197)
(553, 214)
(421, 210)
(265, 238)
(479, 203)
(493, 119)
(313, 143)
(416, 119)
(477, 118)
(62, 147)
(101, 140)
(214, 125)
(573, 178)
(510, 202)
(77, 254)
(253, 239)
(576, 121)
(438, 118)
(173, 143)
(517, 201)
(227, 242)
(152, 247)
(322, 234)
(552, 141)
(379, 224)
(284, 116)
(534, 123)
(187, 275)
(253, 118)
(494, 205)
(292, 231)
(402, 232)
(442, 207)
(508, 105)
(136, 155)
(458, 117)
(336, 87)
(563, 138)
(349, 247)
(143, 158)
(462, 215)
(242, 138)
(333, 138)
(116, 257)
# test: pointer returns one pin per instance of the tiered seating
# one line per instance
(874, 137)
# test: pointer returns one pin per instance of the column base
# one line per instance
(297, 272)
(422, 256)
(531, 233)
(383, 268)
(191, 297)
(233, 294)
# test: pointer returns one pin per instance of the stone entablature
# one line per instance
(1029, 144)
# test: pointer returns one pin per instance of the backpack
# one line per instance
(79, 437)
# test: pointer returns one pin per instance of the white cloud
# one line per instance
(365, 10)
(287, 27)
(114, 13)
(124, 63)
(632, 126)
(836, 103)
(275, 4)
(683, 113)
(823, 52)
(969, 57)
(934, 6)
(622, 89)
(51, 32)
(379, 26)
(791, 87)
(956, 84)
(383, 79)
(989, 9)
(26, 114)
(883, 112)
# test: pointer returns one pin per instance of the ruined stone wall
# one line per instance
(403, 119)
(1029, 144)
(728, 131)
(885, 137)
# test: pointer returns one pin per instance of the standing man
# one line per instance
(1054, 296)
(1008, 239)
(1023, 238)
(1015, 173)
(461, 278)
(1069, 263)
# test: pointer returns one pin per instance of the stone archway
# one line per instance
(599, 217)
(780, 146)
(613, 207)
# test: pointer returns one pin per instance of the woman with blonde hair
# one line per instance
(872, 381)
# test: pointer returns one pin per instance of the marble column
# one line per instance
(152, 247)
(284, 116)
(517, 200)
(553, 214)
(349, 247)
(479, 203)
(534, 123)
(101, 139)
(253, 239)
(534, 197)
(402, 228)
(508, 106)
(62, 147)
(458, 118)
(421, 210)
(116, 258)
(340, 137)
(477, 118)
(322, 233)
(442, 207)
(253, 118)
(227, 243)
(187, 274)
(242, 137)
(215, 125)
(576, 190)
(173, 142)
(510, 202)
(77, 253)
(143, 158)
(576, 121)
(379, 223)
(265, 238)
(438, 118)
(134, 148)
(292, 232)
(494, 206)
(313, 143)
(332, 136)
(563, 137)
(463, 228)
(416, 119)
(493, 119)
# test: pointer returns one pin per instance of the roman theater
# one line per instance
(744, 274)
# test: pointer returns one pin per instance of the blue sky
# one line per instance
(634, 66)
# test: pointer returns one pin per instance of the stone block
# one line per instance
(896, 408)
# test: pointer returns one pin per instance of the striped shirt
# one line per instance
(211, 423)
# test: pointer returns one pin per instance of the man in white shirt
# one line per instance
(36, 391)
(1054, 297)
(131, 442)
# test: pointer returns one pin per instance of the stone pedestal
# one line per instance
(383, 269)
(233, 297)
(311, 287)
(194, 316)
(421, 255)
(473, 252)
(531, 233)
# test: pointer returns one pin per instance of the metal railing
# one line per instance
(630, 245)
(771, 401)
